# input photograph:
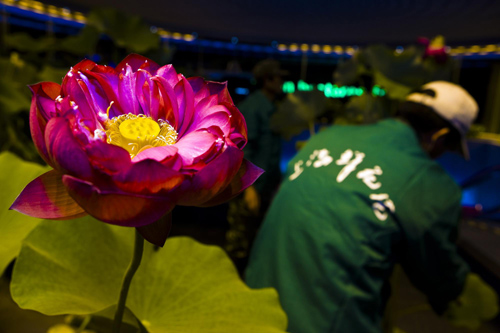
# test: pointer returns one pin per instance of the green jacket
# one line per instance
(264, 146)
(355, 201)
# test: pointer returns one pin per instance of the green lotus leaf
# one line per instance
(77, 267)
(14, 227)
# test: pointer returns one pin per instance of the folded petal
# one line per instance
(246, 176)
(185, 102)
(164, 155)
(41, 110)
(77, 91)
(46, 93)
(148, 177)
(46, 198)
(106, 157)
(119, 208)
(200, 89)
(127, 93)
(64, 150)
(169, 110)
(205, 108)
(157, 232)
(169, 74)
(83, 65)
(238, 124)
(220, 89)
(145, 93)
(210, 180)
(108, 81)
(195, 146)
(218, 119)
(97, 99)
(136, 62)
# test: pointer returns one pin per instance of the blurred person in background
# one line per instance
(264, 146)
(264, 150)
(356, 200)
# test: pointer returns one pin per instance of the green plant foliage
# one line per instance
(82, 44)
(297, 112)
(394, 89)
(16, 75)
(366, 109)
(22, 41)
(49, 73)
(127, 31)
(14, 227)
(77, 267)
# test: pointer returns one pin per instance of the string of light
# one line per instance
(74, 17)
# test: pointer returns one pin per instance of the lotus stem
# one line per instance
(127, 279)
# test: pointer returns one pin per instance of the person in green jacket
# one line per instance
(355, 201)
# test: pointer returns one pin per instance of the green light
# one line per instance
(377, 91)
(341, 92)
(303, 86)
(288, 87)
(330, 90)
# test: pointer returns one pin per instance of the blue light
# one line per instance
(241, 91)
(234, 40)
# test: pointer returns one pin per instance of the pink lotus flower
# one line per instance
(128, 144)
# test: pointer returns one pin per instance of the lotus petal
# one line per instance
(210, 180)
(195, 146)
(46, 198)
(148, 177)
(136, 62)
(246, 176)
(119, 208)
(66, 153)
(41, 110)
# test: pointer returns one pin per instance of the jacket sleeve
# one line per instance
(429, 215)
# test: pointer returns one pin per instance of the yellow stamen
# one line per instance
(109, 107)
(136, 133)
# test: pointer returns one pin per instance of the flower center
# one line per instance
(136, 128)
(136, 133)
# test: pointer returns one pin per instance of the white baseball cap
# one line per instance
(451, 102)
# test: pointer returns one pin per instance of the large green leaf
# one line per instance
(14, 227)
(77, 267)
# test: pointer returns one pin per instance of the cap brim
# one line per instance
(463, 149)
